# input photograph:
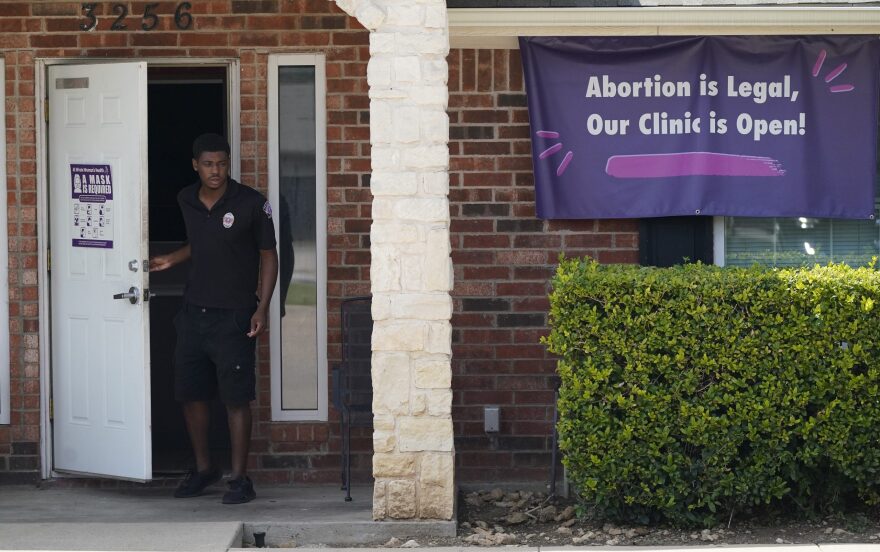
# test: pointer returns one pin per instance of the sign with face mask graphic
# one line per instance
(92, 206)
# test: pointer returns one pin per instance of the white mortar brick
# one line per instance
(383, 209)
(399, 336)
(379, 72)
(435, 126)
(422, 209)
(439, 339)
(393, 232)
(382, 43)
(432, 372)
(406, 69)
(389, 94)
(431, 157)
(384, 269)
(437, 265)
(370, 16)
(435, 17)
(390, 373)
(381, 132)
(380, 306)
(383, 423)
(385, 158)
(422, 306)
(394, 465)
(401, 499)
(435, 71)
(434, 96)
(419, 404)
(379, 510)
(435, 183)
(348, 6)
(394, 184)
(429, 43)
(406, 125)
(425, 434)
(411, 273)
(439, 402)
(434, 469)
(384, 442)
(405, 15)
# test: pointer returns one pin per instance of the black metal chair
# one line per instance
(352, 383)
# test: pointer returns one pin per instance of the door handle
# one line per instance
(133, 294)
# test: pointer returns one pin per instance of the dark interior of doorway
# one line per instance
(183, 102)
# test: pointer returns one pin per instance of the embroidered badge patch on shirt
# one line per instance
(228, 219)
(267, 209)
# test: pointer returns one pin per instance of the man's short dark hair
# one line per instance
(209, 142)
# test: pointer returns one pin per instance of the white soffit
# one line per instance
(500, 27)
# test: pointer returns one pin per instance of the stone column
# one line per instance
(410, 270)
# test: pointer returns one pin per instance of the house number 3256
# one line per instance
(182, 18)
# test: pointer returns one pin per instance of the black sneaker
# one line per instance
(196, 482)
(241, 490)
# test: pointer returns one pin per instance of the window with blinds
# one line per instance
(801, 241)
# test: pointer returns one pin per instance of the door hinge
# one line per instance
(49, 259)
(51, 409)
(46, 109)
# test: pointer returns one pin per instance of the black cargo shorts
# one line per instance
(214, 356)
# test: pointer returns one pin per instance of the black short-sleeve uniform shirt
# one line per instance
(226, 243)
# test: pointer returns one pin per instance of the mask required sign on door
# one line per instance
(92, 206)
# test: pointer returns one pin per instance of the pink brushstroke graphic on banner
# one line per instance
(694, 163)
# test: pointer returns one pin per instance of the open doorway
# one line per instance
(183, 102)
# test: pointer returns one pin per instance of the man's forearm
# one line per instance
(268, 276)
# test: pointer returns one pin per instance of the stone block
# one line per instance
(436, 502)
(435, 183)
(439, 338)
(370, 15)
(405, 15)
(394, 184)
(432, 372)
(425, 434)
(379, 511)
(437, 470)
(422, 306)
(422, 209)
(399, 336)
(384, 441)
(407, 69)
(439, 402)
(406, 125)
(394, 465)
(390, 372)
(425, 157)
(379, 71)
(384, 269)
(401, 499)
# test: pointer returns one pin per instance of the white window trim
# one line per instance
(318, 62)
(5, 402)
(718, 240)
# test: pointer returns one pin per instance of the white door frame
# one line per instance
(5, 368)
(233, 94)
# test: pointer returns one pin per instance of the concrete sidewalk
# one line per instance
(151, 519)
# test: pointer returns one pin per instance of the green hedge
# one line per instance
(695, 392)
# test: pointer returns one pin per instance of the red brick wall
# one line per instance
(245, 29)
(503, 256)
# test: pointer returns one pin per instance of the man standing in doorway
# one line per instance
(231, 243)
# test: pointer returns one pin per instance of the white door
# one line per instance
(98, 240)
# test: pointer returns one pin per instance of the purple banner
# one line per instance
(631, 127)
